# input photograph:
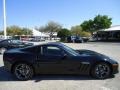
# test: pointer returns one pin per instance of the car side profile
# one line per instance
(57, 58)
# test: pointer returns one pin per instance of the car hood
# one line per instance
(88, 52)
(96, 54)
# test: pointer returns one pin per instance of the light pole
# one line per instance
(4, 19)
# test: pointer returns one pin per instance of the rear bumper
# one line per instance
(7, 65)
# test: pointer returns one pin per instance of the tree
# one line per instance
(77, 31)
(88, 26)
(50, 28)
(26, 31)
(98, 23)
(85, 34)
(63, 33)
(41, 29)
(1, 32)
(102, 22)
(16, 30)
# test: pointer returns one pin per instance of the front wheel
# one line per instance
(23, 71)
(101, 71)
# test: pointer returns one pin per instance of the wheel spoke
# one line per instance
(22, 71)
(102, 70)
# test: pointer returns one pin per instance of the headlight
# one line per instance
(111, 58)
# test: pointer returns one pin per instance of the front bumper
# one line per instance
(115, 68)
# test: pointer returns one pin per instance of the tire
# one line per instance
(101, 71)
(2, 50)
(23, 71)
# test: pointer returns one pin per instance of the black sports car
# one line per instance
(57, 58)
(7, 44)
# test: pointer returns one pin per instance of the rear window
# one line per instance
(31, 49)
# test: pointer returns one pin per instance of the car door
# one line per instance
(50, 60)
(54, 60)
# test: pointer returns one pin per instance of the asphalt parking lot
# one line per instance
(60, 82)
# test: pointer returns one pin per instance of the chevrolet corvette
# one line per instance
(57, 58)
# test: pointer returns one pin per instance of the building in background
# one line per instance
(38, 36)
(3, 37)
(110, 34)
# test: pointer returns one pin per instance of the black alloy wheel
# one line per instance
(101, 71)
(23, 71)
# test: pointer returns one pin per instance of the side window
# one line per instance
(35, 49)
(52, 50)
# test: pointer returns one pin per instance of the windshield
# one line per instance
(71, 51)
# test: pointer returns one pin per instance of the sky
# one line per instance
(32, 13)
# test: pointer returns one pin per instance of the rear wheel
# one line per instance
(23, 71)
(101, 71)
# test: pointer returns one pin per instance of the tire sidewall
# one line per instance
(31, 72)
(93, 71)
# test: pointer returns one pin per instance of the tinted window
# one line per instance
(16, 42)
(32, 49)
(52, 50)
(71, 51)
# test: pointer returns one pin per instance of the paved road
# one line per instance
(8, 82)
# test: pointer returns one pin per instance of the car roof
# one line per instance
(49, 43)
(53, 43)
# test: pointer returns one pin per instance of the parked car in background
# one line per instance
(57, 58)
(37, 39)
(85, 39)
(7, 44)
(74, 39)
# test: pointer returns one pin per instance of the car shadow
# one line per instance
(62, 77)
(7, 76)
